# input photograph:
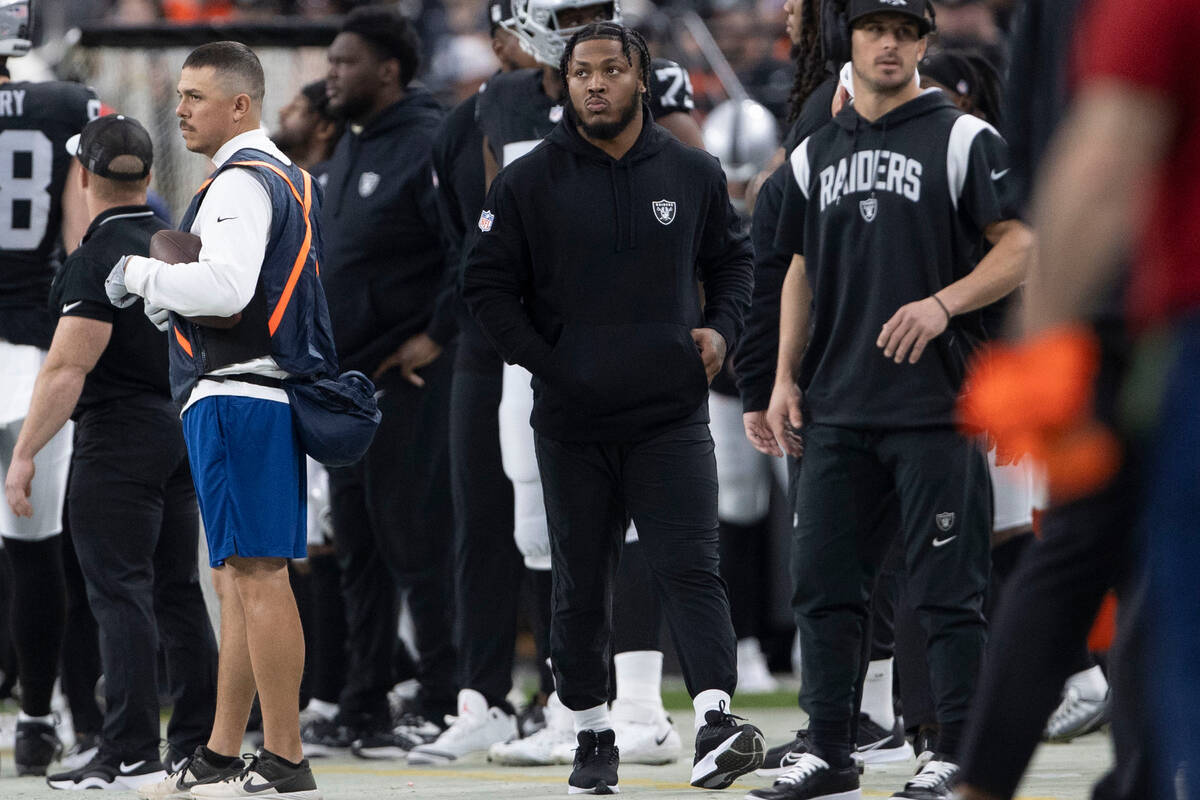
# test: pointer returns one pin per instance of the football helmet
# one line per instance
(15, 20)
(744, 135)
(537, 26)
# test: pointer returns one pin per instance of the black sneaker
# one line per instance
(108, 770)
(924, 745)
(596, 761)
(82, 751)
(322, 737)
(725, 750)
(411, 731)
(936, 781)
(264, 775)
(191, 771)
(532, 718)
(779, 758)
(877, 745)
(811, 778)
(35, 746)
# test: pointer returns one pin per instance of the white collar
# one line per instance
(257, 139)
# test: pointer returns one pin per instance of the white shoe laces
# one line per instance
(933, 775)
(806, 767)
(1072, 711)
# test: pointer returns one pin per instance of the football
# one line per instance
(180, 247)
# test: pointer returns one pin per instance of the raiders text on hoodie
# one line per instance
(886, 213)
(585, 272)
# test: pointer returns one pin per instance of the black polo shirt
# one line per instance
(135, 361)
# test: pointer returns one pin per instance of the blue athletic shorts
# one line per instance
(250, 480)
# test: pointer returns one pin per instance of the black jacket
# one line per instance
(586, 274)
(385, 271)
(887, 213)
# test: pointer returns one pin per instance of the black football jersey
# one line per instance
(36, 119)
(515, 114)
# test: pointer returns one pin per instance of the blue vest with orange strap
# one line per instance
(287, 318)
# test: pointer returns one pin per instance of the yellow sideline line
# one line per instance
(521, 777)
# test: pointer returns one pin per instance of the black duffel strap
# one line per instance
(248, 377)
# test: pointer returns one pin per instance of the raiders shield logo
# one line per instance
(368, 182)
(945, 521)
(556, 113)
(868, 208)
(664, 211)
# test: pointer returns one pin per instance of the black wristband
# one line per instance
(943, 305)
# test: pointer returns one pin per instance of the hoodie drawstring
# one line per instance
(612, 179)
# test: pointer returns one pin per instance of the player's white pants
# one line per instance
(744, 475)
(530, 530)
(19, 365)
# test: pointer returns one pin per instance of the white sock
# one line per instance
(592, 719)
(46, 720)
(1090, 683)
(324, 708)
(710, 700)
(639, 678)
(877, 694)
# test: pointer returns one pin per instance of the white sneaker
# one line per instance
(753, 675)
(644, 736)
(553, 744)
(1076, 716)
(476, 728)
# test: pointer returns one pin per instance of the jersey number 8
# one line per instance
(26, 164)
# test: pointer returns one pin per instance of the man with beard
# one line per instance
(589, 281)
(514, 113)
(384, 272)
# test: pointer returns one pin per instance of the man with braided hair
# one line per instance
(589, 281)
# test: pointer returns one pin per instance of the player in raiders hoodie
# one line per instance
(586, 274)
(884, 216)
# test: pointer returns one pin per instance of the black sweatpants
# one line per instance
(1086, 547)
(135, 527)
(487, 565)
(840, 540)
(81, 666)
(393, 530)
(668, 485)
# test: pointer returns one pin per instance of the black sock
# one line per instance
(216, 759)
(831, 742)
(277, 757)
(37, 617)
(948, 739)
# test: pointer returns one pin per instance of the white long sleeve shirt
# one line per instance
(234, 225)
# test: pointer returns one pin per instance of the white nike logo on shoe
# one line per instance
(947, 540)
(128, 768)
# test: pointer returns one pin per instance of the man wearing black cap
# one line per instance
(132, 507)
(884, 215)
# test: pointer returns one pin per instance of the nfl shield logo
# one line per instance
(556, 113)
(485, 221)
(945, 521)
(664, 211)
(868, 208)
(367, 183)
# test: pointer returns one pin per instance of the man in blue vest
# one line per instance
(257, 218)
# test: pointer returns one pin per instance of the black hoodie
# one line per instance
(886, 213)
(586, 274)
(385, 270)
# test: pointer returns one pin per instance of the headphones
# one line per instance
(835, 31)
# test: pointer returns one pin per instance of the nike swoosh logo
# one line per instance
(67, 308)
(226, 219)
(658, 741)
(128, 768)
(947, 540)
(250, 786)
(866, 748)
(998, 175)
(790, 758)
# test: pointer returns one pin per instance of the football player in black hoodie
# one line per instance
(586, 274)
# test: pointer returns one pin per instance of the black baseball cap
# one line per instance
(107, 139)
(857, 9)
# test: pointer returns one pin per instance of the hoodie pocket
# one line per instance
(646, 370)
